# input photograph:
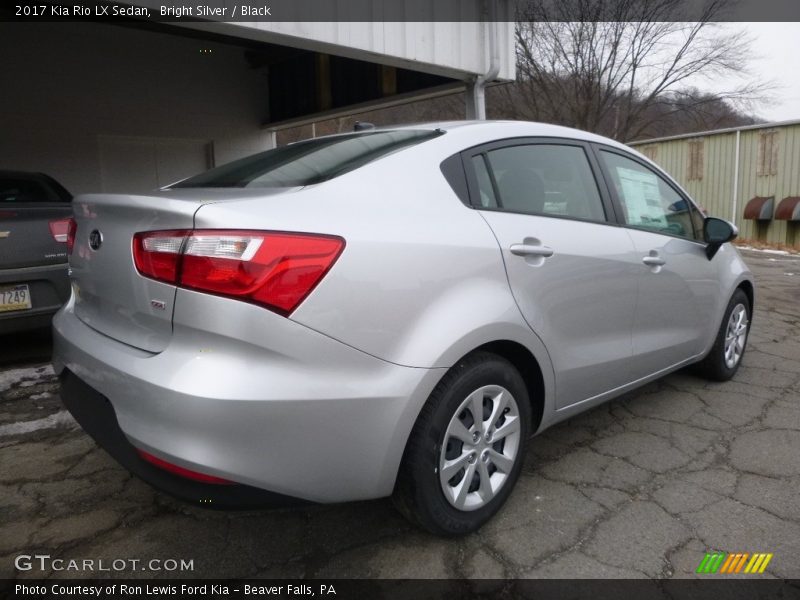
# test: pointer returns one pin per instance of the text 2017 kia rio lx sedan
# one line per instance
(390, 312)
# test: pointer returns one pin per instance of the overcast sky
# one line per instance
(777, 46)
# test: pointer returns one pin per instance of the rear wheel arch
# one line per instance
(522, 358)
(528, 367)
(442, 505)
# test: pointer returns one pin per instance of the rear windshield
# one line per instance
(308, 162)
(21, 189)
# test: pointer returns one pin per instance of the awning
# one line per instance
(760, 208)
(789, 209)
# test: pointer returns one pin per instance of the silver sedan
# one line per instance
(389, 312)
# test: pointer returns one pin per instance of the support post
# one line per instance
(476, 100)
(476, 88)
(735, 177)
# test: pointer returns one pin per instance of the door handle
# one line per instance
(654, 261)
(531, 250)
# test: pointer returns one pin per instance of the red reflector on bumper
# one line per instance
(182, 472)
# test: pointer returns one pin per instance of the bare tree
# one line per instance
(617, 67)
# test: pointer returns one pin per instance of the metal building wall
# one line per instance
(443, 48)
(449, 42)
(715, 191)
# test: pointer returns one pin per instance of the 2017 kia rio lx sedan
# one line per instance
(389, 312)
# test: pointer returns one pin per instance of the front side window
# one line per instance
(546, 179)
(648, 201)
(308, 162)
(697, 221)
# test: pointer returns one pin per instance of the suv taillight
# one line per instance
(60, 230)
(274, 269)
(63, 231)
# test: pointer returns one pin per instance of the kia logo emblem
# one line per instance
(95, 239)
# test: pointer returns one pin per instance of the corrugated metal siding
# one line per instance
(715, 190)
(452, 49)
(443, 47)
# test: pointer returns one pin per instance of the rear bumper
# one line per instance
(306, 417)
(96, 415)
(50, 288)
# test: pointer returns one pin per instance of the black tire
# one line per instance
(713, 366)
(418, 492)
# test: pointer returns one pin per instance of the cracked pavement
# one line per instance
(640, 487)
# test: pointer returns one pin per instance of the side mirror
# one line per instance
(717, 232)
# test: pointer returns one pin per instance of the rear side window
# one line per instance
(23, 190)
(546, 179)
(308, 162)
(485, 188)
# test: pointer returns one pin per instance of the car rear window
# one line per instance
(19, 189)
(308, 162)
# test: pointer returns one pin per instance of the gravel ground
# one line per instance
(640, 487)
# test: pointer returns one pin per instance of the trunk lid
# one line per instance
(110, 294)
(25, 237)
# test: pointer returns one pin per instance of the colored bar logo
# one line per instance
(733, 563)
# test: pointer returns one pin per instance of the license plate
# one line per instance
(16, 297)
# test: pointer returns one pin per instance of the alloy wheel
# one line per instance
(480, 447)
(736, 336)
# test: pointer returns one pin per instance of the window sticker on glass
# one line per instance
(642, 198)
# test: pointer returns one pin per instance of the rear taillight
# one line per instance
(274, 269)
(157, 254)
(60, 230)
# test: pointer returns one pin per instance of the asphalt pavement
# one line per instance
(643, 486)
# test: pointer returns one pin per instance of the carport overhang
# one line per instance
(309, 73)
(315, 71)
(131, 105)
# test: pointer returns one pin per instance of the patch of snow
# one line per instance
(768, 251)
(12, 377)
(59, 419)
